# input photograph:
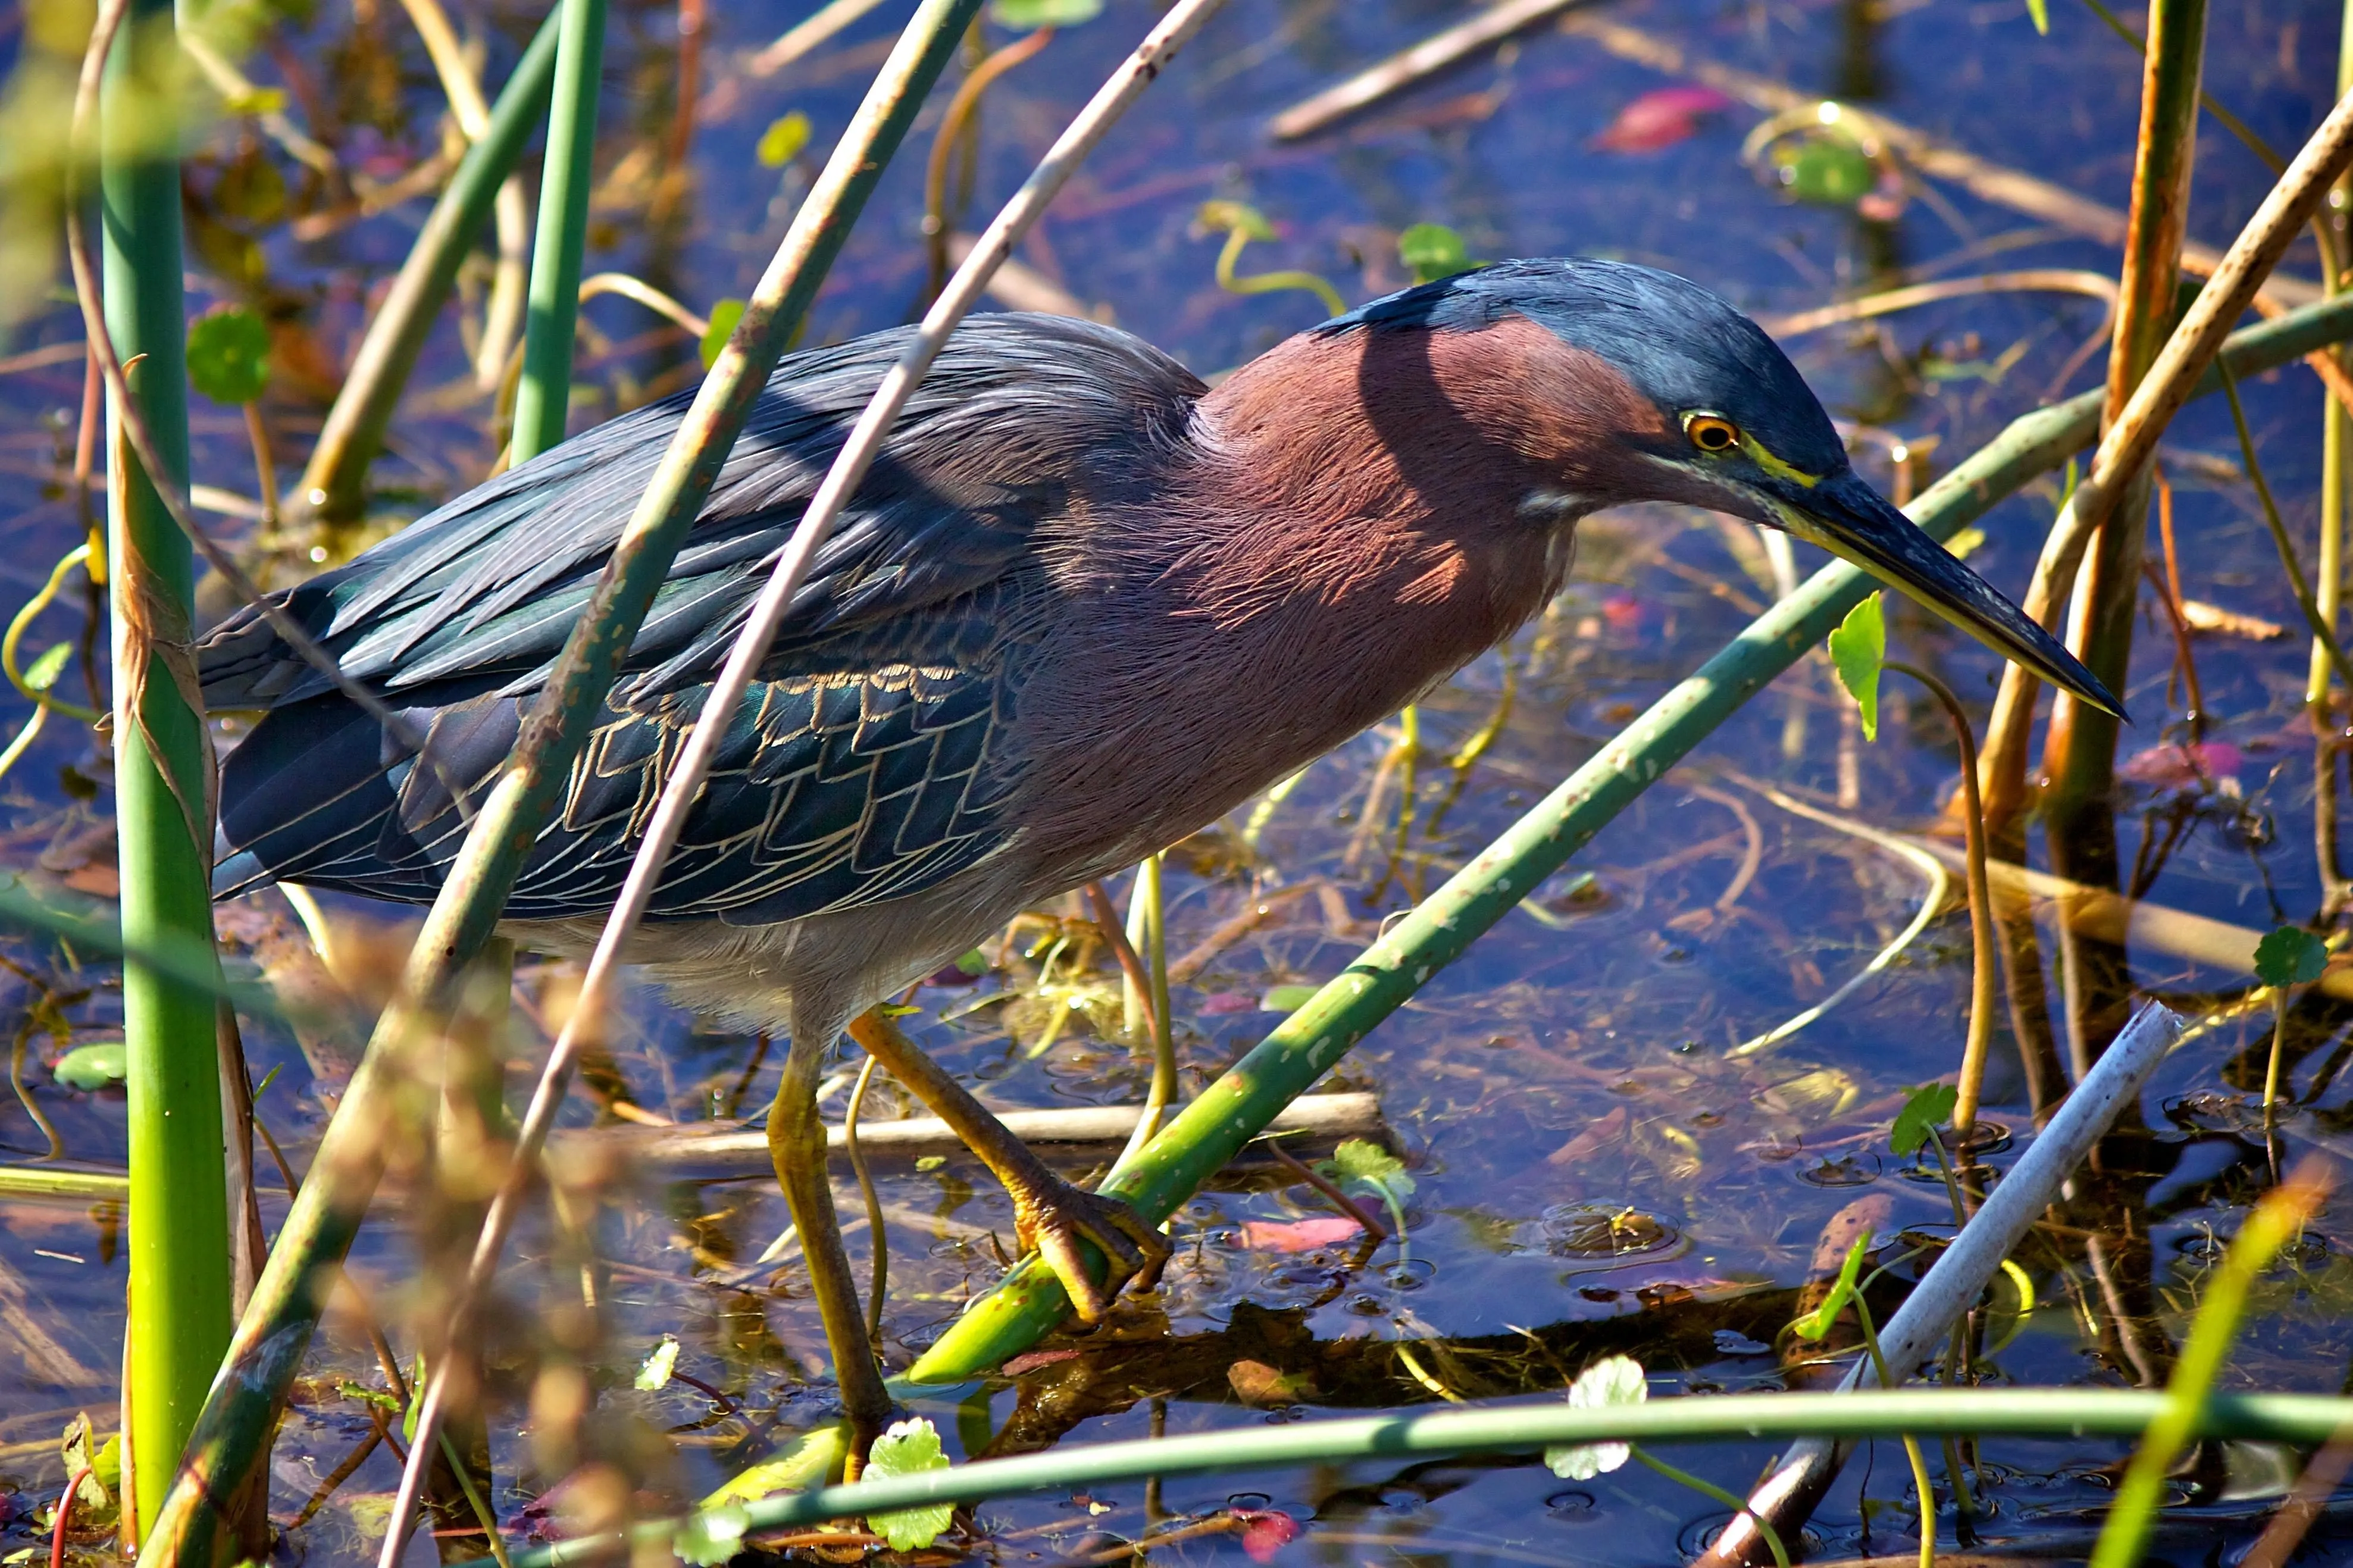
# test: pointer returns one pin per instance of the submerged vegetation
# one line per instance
(1577, 1043)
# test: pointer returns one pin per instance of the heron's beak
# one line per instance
(1847, 516)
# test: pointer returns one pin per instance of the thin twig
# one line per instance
(2298, 584)
(2041, 280)
(875, 1221)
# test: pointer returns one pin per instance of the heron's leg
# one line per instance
(1050, 1215)
(796, 1145)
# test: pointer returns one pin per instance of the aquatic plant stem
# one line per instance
(2079, 750)
(2070, 1413)
(962, 107)
(1714, 1493)
(553, 304)
(1920, 1482)
(180, 1286)
(232, 1438)
(2323, 635)
(877, 1225)
(2275, 1222)
(1798, 1480)
(332, 489)
(2130, 439)
(2335, 429)
(1984, 973)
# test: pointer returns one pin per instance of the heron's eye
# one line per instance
(1711, 434)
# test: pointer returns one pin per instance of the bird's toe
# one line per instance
(1059, 1221)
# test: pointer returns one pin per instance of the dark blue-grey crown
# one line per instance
(1683, 345)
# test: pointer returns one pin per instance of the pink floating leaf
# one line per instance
(1266, 1533)
(1298, 1235)
(1661, 118)
(2174, 766)
(1226, 1002)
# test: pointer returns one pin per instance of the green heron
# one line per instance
(1035, 651)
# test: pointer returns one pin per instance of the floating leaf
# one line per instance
(1286, 999)
(656, 1371)
(782, 141)
(1661, 118)
(1027, 15)
(1266, 1532)
(228, 356)
(1359, 1162)
(1612, 1381)
(1830, 171)
(92, 1066)
(712, 1536)
(974, 963)
(1299, 1235)
(43, 672)
(1929, 1108)
(1817, 1323)
(725, 315)
(1858, 649)
(1434, 251)
(2290, 956)
(909, 1448)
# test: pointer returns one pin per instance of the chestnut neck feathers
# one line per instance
(1341, 498)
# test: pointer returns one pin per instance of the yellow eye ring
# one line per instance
(1711, 432)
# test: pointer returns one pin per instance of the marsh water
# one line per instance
(1594, 1170)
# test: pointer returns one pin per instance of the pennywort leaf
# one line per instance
(1858, 649)
(909, 1448)
(1615, 1380)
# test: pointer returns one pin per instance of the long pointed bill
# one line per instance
(1844, 515)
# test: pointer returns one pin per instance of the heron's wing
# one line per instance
(1018, 412)
(875, 753)
(828, 792)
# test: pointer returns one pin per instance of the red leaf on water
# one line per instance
(1266, 1533)
(2182, 767)
(1661, 118)
(1227, 1002)
(1298, 1235)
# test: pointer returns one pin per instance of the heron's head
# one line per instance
(1669, 393)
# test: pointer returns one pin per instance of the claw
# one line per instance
(1054, 1219)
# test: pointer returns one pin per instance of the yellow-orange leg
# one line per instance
(797, 1146)
(1050, 1216)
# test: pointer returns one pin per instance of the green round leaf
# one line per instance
(782, 141)
(1832, 171)
(1612, 1381)
(909, 1448)
(1434, 251)
(2290, 956)
(1858, 649)
(43, 672)
(725, 315)
(93, 1065)
(1930, 1107)
(1027, 15)
(228, 356)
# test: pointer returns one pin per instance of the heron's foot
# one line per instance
(1052, 1218)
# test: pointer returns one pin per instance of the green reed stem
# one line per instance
(545, 395)
(1920, 1482)
(2334, 430)
(1983, 973)
(232, 1438)
(1714, 1493)
(2271, 1227)
(179, 1241)
(2324, 635)
(2079, 754)
(1239, 1104)
(2070, 1413)
(334, 485)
